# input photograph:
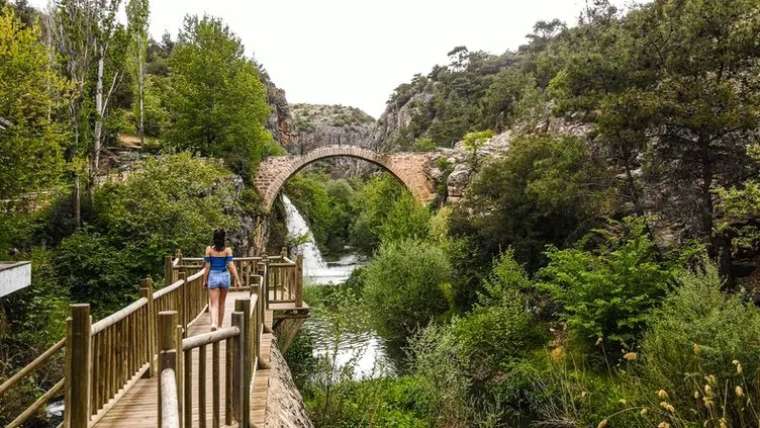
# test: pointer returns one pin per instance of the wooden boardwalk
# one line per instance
(138, 407)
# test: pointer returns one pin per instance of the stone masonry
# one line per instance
(409, 168)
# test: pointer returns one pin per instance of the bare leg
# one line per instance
(222, 300)
(213, 294)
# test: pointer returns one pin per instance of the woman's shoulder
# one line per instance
(227, 251)
(208, 250)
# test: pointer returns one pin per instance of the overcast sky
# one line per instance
(355, 52)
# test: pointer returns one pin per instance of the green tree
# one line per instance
(138, 12)
(385, 210)
(216, 101)
(473, 142)
(30, 142)
(546, 190)
(678, 82)
(606, 294)
(406, 287)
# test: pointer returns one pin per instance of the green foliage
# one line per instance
(30, 143)
(386, 211)
(216, 101)
(700, 332)
(327, 205)
(607, 294)
(173, 202)
(31, 320)
(473, 142)
(546, 190)
(384, 402)
(475, 363)
(739, 209)
(406, 287)
(94, 271)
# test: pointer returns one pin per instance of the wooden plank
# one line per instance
(138, 407)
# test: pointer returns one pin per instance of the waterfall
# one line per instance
(297, 227)
(315, 268)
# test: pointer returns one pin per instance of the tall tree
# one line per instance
(138, 12)
(109, 44)
(74, 38)
(217, 103)
(30, 144)
(674, 88)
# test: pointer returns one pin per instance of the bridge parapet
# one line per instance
(409, 168)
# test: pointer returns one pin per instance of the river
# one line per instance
(364, 349)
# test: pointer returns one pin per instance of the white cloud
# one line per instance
(355, 52)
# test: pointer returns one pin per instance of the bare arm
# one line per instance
(233, 270)
(206, 268)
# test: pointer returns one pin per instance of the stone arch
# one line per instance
(408, 168)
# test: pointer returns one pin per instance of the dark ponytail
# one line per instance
(219, 236)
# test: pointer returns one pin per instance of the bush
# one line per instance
(386, 402)
(704, 342)
(476, 363)
(546, 190)
(406, 287)
(386, 211)
(173, 202)
(94, 271)
(606, 294)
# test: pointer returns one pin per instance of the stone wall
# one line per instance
(285, 408)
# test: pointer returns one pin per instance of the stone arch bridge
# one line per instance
(408, 168)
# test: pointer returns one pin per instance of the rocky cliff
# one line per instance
(285, 407)
(316, 125)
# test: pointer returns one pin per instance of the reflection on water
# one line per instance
(363, 350)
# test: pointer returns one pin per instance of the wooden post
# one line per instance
(150, 335)
(79, 367)
(237, 367)
(180, 371)
(244, 306)
(284, 252)
(168, 270)
(299, 280)
(183, 306)
(243, 367)
(167, 347)
(67, 376)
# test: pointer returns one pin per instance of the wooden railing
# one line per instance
(103, 360)
(242, 357)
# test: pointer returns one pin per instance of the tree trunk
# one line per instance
(141, 91)
(97, 143)
(720, 247)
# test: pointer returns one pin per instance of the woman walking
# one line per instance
(217, 277)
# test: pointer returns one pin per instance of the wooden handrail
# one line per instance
(31, 410)
(169, 399)
(118, 316)
(29, 368)
(209, 338)
(106, 358)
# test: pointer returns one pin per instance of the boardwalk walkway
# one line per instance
(138, 408)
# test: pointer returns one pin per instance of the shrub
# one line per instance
(475, 362)
(94, 271)
(606, 294)
(406, 287)
(546, 190)
(386, 211)
(173, 202)
(701, 345)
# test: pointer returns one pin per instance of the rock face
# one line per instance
(395, 119)
(279, 119)
(317, 125)
(285, 407)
